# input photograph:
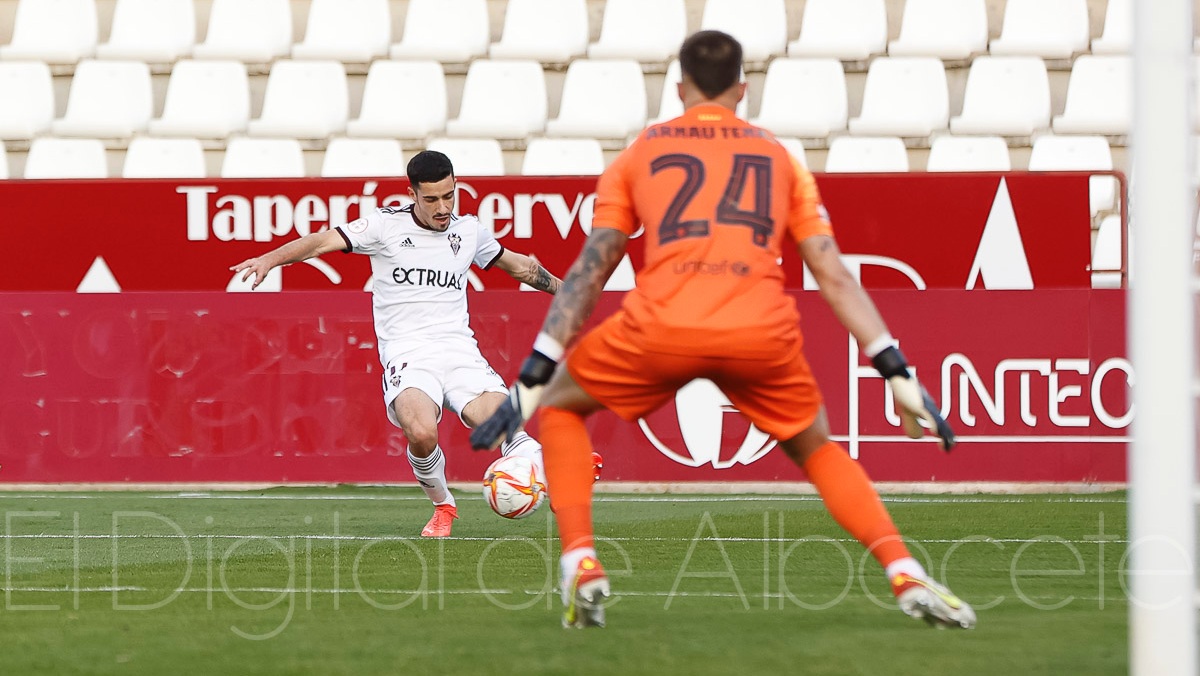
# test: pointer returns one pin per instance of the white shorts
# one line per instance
(453, 373)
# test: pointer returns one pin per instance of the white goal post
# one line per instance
(1162, 466)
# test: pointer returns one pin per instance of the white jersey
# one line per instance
(419, 275)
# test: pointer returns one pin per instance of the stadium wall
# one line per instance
(132, 358)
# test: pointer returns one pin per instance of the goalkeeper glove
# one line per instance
(522, 401)
(913, 402)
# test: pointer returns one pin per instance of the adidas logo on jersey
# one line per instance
(407, 243)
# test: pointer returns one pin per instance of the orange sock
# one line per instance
(567, 452)
(852, 501)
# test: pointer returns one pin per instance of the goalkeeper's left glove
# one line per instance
(522, 401)
(913, 402)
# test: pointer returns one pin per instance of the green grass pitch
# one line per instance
(336, 581)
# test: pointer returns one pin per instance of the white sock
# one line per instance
(908, 565)
(431, 474)
(525, 446)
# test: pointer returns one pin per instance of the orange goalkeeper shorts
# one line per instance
(778, 394)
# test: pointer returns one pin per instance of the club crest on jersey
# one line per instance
(455, 242)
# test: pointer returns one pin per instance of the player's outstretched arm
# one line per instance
(571, 306)
(526, 270)
(857, 312)
(297, 250)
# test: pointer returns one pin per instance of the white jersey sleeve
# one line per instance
(365, 234)
(488, 249)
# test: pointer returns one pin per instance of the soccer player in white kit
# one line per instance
(420, 255)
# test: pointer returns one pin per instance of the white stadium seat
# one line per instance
(850, 30)
(402, 99)
(1106, 254)
(164, 158)
(855, 154)
(375, 157)
(26, 99)
(563, 157)
(471, 157)
(601, 98)
(947, 29)
(669, 105)
(501, 99)
(543, 30)
(643, 30)
(969, 153)
(425, 36)
(3, 162)
(262, 158)
(1078, 153)
(1005, 96)
(51, 157)
(1099, 97)
(155, 31)
(796, 147)
(351, 31)
(59, 32)
(108, 99)
(1118, 29)
(903, 96)
(250, 31)
(303, 99)
(1051, 29)
(804, 98)
(205, 99)
(760, 25)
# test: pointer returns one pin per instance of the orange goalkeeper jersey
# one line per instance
(716, 196)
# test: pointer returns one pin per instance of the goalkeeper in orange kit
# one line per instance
(717, 196)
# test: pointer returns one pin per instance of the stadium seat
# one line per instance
(389, 93)
(26, 99)
(563, 157)
(903, 96)
(865, 154)
(471, 157)
(205, 99)
(1099, 97)
(425, 36)
(250, 31)
(262, 158)
(59, 32)
(553, 31)
(1051, 29)
(804, 98)
(850, 30)
(601, 98)
(108, 99)
(3, 162)
(1118, 29)
(501, 99)
(796, 148)
(155, 31)
(1106, 254)
(351, 31)
(374, 157)
(760, 25)
(303, 99)
(1078, 153)
(1005, 96)
(643, 30)
(51, 157)
(947, 29)
(968, 153)
(670, 107)
(164, 158)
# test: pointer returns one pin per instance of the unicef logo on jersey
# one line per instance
(702, 412)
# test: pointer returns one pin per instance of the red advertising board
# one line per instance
(983, 277)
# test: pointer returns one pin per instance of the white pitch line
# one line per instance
(955, 499)
(522, 539)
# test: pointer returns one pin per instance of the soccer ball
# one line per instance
(513, 487)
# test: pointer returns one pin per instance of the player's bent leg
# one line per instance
(417, 414)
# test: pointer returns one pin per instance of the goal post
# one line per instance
(1162, 465)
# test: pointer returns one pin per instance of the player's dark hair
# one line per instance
(712, 60)
(428, 166)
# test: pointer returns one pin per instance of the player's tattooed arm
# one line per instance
(585, 280)
(526, 270)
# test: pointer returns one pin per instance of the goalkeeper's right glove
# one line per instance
(522, 401)
(913, 402)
